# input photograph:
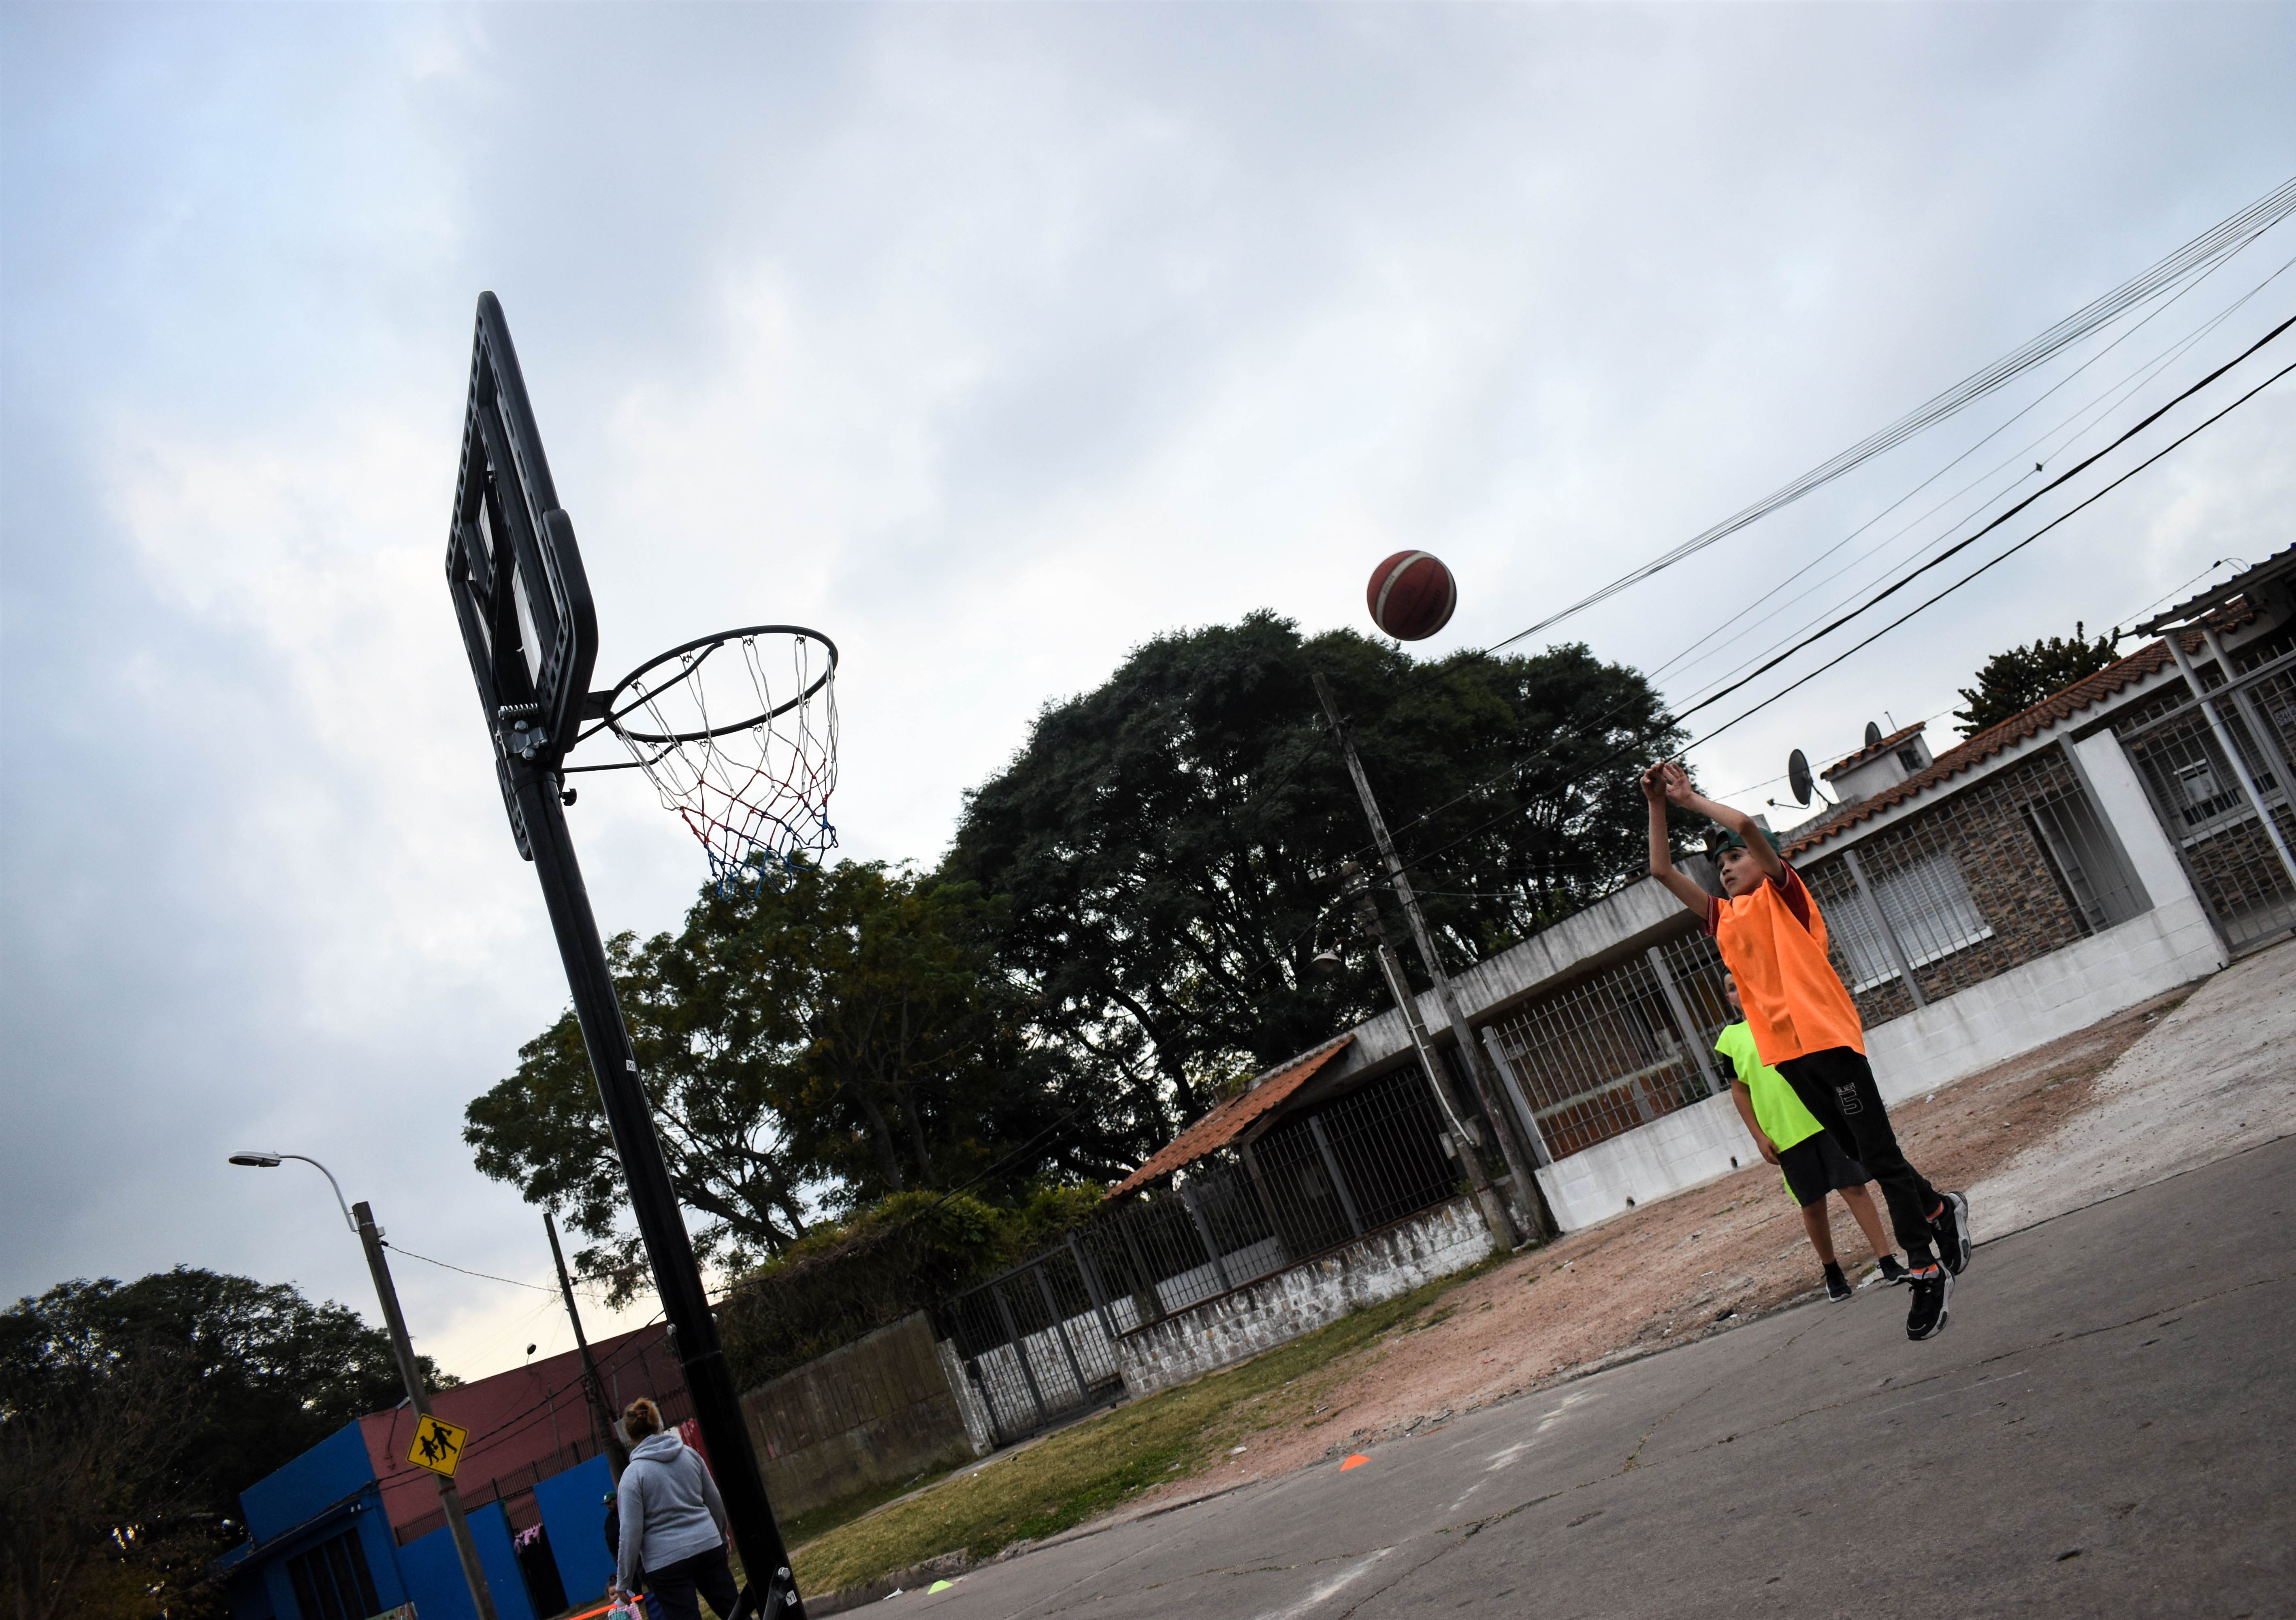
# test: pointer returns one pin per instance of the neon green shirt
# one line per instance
(1776, 1109)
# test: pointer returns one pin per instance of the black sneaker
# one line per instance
(1888, 1271)
(1951, 1224)
(1837, 1286)
(1931, 1287)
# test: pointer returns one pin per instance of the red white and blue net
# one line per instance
(739, 737)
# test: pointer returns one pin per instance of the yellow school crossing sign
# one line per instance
(437, 1446)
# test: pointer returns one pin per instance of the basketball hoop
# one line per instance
(738, 734)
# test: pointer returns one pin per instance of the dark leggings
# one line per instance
(674, 1586)
(1836, 1085)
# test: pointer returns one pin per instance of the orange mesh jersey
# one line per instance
(1774, 941)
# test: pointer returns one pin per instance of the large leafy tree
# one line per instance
(2011, 682)
(819, 1041)
(1171, 842)
(131, 1414)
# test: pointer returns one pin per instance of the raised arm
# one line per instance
(1678, 790)
(1658, 789)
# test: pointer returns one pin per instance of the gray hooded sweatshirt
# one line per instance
(669, 1506)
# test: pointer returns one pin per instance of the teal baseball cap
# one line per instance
(1722, 838)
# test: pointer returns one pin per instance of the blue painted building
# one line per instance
(321, 1548)
(350, 1529)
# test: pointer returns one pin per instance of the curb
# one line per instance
(948, 1566)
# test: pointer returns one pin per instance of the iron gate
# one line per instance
(2198, 797)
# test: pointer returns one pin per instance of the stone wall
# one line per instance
(880, 1411)
(1238, 1325)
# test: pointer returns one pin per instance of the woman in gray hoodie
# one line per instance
(673, 1522)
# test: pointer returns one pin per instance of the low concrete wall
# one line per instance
(880, 1411)
(2050, 997)
(1673, 1151)
(2030, 1006)
(1275, 1310)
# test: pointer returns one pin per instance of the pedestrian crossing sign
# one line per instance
(437, 1446)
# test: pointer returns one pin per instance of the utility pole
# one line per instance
(618, 1455)
(1495, 1215)
(771, 1591)
(450, 1499)
(1471, 1058)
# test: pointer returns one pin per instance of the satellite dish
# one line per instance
(1798, 776)
(1873, 735)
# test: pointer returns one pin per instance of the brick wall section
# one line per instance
(1984, 830)
(1275, 1310)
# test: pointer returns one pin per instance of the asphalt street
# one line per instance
(2107, 1426)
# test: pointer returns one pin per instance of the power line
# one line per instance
(1804, 679)
(2074, 471)
(2004, 556)
(449, 1265)
(2135, 379)
(2129, 385)
(2219, 241)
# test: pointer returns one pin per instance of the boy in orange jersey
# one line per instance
(1805, 1026)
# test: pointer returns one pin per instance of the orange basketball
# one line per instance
(1411, 595)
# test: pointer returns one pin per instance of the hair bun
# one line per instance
(642, 1417)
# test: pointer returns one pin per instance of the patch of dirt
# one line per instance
(1695, 1264)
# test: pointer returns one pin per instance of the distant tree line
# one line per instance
(1122, 929)
(131, 1414)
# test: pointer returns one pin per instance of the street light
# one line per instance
(361, 1221)
(251, 1160)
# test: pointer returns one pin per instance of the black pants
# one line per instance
(674, 1586)
(1836, 1085)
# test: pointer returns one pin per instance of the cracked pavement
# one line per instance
(2107, 1426)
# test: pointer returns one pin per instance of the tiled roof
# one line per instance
(1230, 1119)
(1875, 751)
(2280, 562)
(2089, 690)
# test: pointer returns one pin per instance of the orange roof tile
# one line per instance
(2089, 690)
(1230, 1120)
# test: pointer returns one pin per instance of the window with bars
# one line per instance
(2011, 867)
(1929, 902)
(1606, 1052)
(332, 1582)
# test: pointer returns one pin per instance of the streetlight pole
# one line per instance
(1471, 1058)
(1391, 966)
(361, 1221)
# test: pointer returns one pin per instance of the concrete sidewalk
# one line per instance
(2217, 1075)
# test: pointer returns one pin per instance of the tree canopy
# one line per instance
(814, 1043)
(1170, 843)
(131, 1414)
(2011, 682)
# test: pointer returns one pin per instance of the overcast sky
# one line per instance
(991, 341)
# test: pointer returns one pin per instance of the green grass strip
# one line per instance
(1096, 1465)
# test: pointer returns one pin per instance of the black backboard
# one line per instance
(515, 570)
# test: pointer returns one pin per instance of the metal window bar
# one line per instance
(2197, 796)
(1606, 1053)
(1038, 1340)
(2002, 873)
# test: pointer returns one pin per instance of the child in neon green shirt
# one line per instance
(1791, 1139)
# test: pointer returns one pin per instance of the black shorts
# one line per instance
(1814, 1166)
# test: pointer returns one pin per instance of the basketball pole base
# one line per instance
(771, 1591)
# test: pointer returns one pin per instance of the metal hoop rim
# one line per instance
(611, 720)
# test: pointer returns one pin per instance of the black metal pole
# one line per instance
(618, 1455)
(771, 1593)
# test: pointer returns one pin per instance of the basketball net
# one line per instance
(756, 796)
